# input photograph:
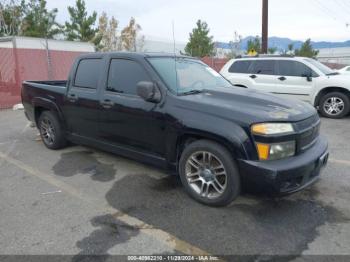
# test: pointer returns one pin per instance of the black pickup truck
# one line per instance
(177, 113)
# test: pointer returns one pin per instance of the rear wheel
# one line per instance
(209, 174)
(51, 130)
(334, 105)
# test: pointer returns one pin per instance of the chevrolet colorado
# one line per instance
(177, 113)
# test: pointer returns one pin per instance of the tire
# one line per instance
(230, 183)
(334, 101)
(51, 131)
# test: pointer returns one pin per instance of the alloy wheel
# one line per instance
(206, 175)
(47, 131)
(334, 106)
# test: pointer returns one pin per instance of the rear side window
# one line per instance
(87, 73)
(294, 68)
(240, 67)
(124, 75)
(263, 67)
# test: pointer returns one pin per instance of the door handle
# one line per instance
(253, 76)
(72, 98)
(282, 78)
(107, 103)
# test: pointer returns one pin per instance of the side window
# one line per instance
(263, 67)
(348, 69)
(124, 75)
(294, 68)
(87, 73)
(240, 67)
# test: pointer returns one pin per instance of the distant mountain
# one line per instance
(282, 43)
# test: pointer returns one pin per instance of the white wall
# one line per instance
(40, 43)
(155, 44)
(340, 55)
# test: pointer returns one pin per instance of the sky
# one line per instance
(320, 20)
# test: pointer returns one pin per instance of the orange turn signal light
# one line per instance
(263, 151)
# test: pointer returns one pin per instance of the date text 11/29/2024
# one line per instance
(173, 258)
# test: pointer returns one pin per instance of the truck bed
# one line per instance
(35, 91)
(52, 83)
(56, 86)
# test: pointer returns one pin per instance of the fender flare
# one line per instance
(317, 95)
(47, 104)
(220, 130)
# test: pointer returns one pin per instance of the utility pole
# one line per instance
(265, 26)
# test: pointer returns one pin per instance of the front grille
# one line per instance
(309, 130)
(307, 123)
(307, 138)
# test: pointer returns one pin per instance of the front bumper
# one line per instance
(286, 175)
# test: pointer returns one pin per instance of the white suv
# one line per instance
(293, 77)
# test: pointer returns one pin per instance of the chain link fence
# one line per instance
(215, 63)
(32, 59)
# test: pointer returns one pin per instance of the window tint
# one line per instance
(294, 68)
(240, 67)
(87, 73)
(263, 67)
(124, 75)
(186, 74)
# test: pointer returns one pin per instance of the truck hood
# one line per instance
(247, 106)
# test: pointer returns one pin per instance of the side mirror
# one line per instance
(148, 91)
(308, 77)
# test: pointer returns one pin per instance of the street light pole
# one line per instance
(265, 25)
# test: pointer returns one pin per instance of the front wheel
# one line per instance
(334, 105)
(209, 173)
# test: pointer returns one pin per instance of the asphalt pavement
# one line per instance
(82, 201)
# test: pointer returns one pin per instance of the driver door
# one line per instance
(127, 119)
(294, 81)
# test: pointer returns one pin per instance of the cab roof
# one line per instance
(136, 54)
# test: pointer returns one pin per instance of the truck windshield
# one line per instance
(192, 75)
(323, 68)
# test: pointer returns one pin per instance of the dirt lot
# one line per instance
(83, 201)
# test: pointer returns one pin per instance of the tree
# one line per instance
(81, 26)
(11, 15)
(291, 48)
(38, 21)
(200, 43)
(234, 46)
(254, 45)
(140, 43)
(272, 50)
(106, 36)
(129, 35)
(306, 50)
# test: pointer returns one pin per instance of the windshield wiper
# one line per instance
(192, 92)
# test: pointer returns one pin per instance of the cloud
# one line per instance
(298, 19)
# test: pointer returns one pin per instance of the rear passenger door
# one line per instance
(81, 105)
(294, 81)
(127, 119)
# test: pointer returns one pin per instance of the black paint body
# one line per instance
(156, 133)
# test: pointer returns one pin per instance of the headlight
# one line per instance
(275, 151)
(272, 128)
